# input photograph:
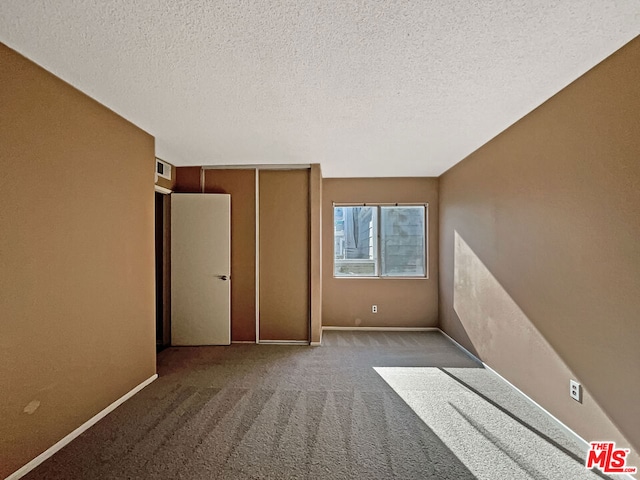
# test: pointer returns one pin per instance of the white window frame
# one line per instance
(378, 256)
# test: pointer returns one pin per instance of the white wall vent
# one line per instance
(163, 169)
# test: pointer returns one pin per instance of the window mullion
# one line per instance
(378, 241)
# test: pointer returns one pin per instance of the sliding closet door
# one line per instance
(241, 185)
(284, 255)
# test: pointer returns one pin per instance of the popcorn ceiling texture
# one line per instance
(366, 88)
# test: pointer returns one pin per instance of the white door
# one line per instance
(200, 269)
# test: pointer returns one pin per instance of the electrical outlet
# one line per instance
(374, 308)
(575, 391)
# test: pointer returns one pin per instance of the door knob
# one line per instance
(223, 277)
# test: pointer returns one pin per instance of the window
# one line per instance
(379, 241)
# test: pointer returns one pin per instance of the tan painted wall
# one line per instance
(315, 252)
(540, 265)
(76, 259)
(284, 254)
(241, 185)
(401, 302)
(188, 180)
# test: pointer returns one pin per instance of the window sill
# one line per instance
(378, 278)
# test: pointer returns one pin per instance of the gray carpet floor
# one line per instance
(365, 405)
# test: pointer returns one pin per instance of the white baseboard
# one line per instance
(319, 343)
(78, 431)
(383, 329)
(284, 342)
(577, 437)
(88, 424)
(451, 339)
(580, 440)
(569, 431)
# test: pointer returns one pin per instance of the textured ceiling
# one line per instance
(366, 88)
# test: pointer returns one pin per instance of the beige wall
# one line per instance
(188, 180)
(315, 252)
(241, 185)
(284, 254)
(401, 302)
(76, 259)
(540, 263)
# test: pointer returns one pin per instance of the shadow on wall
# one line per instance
(505, 338)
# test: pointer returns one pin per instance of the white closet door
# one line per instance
(200, 269)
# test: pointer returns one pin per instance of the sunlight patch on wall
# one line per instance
(506, 340)
(501, 333)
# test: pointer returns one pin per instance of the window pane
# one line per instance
(403, 244)
(355, 234)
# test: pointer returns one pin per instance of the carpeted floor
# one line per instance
(365, 405)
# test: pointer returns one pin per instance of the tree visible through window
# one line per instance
(371, 241)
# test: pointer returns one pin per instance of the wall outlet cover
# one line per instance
(575, 391)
